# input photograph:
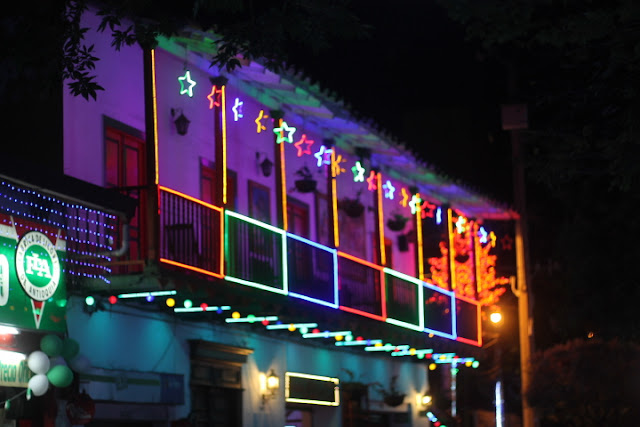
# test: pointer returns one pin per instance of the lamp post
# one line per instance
(514, 119)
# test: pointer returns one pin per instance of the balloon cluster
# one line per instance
(53, 363)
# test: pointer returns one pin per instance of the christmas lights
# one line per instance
(186, 89)
(258, 121)
(358, 172)
(281, 130)
(237, 110)
(323, 155)
(307, 142)
(389, 189)
(372, 182)
(214, 97)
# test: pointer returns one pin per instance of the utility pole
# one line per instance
(514, 119)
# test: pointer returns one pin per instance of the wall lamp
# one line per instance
(266, 165)
(423, 401)
(269, 385)
(181, 122)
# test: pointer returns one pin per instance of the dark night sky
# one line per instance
(417, 77)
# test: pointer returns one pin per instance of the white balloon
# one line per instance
(38, 362)
(80, 363)
(39, 384)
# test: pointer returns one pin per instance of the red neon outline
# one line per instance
(383, 288)
(478, 321)
(193, 199)
(362, 313)
(190, 267)
(221, 239)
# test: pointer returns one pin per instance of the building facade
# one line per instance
(285, 262)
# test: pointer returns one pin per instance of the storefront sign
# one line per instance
(32, 290)
(312, 389)
(14, 371)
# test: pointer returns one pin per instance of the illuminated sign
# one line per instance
(32, 290)
(14, 371)
(312, 389)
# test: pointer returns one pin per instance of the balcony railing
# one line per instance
(222, 243)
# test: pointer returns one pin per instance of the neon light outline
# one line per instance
(336, 393)
(414, 204)
(210, 206)
(420, 301)
(237, 110)
(326, 334)
(155, 114)
(146, 294)
(280, 131)
(223, 97)
(383, 249)
(296, 325)
(334, 207)
(334, 256)
(251, 319)
(213, 102)
(389, 189)
(419, 246)
(199, 309)
(192, 83)
(283, 187)
(269, 227)
(478, 342)
(439, 215)
(336, 169)
(371, 181)
(356, 342)
(383, 289)
(303, 140)
(358, 172)
(258, 121)
(405, 197)
(452, 266)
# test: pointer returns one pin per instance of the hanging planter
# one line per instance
(391, 397)
(397, 222)
(306, 183)
(352, 207)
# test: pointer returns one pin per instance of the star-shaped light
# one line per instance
(281, 130)
(323, 155)
(358, 172)
(493, 238)
(371, 181)
(427, 210)
(191, 84)
(483, 235)
(414, 204)
(439, 215)
(237, 110)
(389, 189)
(214, 97)
(336, 169)
(258, 121)
(460, 224)
(405, 197)
(507, 243)
(303, 140)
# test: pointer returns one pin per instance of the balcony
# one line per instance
(243, 252)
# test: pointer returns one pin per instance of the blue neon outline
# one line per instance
(334, 253)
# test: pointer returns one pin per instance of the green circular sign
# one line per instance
(37, 266)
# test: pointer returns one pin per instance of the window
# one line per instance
(259, 202)
(298, 217)
(125, 170)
